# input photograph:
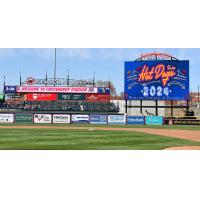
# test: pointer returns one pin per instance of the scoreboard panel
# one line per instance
(157, 80)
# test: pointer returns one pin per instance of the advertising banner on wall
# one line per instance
(97, 97)
(41, 97)
(11, 96)
(10, 89)
(157, 80)
(2, 97)
(135, 120)
(103, 90)
(7, 118)
(98, 119)
(42, 118)
(116, 119)
(80, 119)
(37, 89)
(71, 96)
(182, 122)
(154, 120)
(61, 119)
(23, 118)
(103, 98)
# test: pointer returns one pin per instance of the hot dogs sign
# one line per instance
(157, 80)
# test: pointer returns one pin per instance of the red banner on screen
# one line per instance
(41, 97)
(104, 98)
(97, 98)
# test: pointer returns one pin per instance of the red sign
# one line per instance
(156, 54)
(41, 97)
(97, 97)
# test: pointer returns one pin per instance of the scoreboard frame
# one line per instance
(157, 56)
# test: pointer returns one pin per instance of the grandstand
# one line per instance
(35, 95)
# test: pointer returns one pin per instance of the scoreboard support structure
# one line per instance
(155, 56)
(171, 106)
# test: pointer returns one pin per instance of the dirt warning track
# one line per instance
(193, 135)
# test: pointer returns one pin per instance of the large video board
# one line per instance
(157, 80)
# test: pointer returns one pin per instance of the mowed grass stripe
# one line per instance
(179, 127)
(84, 139)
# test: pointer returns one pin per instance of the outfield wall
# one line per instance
(48, 118)
(62, 118)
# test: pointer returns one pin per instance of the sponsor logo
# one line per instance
(135, 119)
(63, 118)
(6, 118)
(116, 119)
(30, 81)
(154, 120)
(42, 118)
(158, 72)
(80, 118)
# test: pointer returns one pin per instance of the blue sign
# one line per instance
(116, 119)
(10, 89)
(98, 119)
(154, 120)
(135, 120)
(103, 90)
(157, 80)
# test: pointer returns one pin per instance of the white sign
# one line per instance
(6, 118)
(35, 89)
(42, 118)
(61, 119)
(116, 119)
(80, 118)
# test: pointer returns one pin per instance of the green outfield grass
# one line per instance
(85, 140)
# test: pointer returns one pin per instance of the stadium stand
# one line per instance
(61, 106)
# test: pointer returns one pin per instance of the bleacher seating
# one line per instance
(63, 106)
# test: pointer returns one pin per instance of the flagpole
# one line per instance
(46, 78)
(94, 80)
(20, 79)
(67, 77)
(4, 80)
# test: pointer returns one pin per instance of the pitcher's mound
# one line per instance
(184, 148)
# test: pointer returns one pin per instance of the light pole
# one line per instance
(55, 67)
(198, 96)
(67, 77)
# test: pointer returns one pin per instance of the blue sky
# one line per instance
(82, 63)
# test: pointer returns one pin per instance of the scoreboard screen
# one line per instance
(157, 80)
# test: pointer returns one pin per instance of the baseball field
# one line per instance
(97, 137)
